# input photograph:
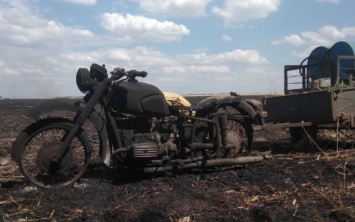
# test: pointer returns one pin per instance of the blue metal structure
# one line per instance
(322, 61)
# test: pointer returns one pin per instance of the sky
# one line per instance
(186, 46)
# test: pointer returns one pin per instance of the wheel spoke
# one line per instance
(42, 146)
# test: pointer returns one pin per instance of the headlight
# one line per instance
(83, 79)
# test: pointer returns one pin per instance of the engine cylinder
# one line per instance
(145, 150)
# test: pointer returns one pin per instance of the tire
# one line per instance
(42, 143)
(239, 133)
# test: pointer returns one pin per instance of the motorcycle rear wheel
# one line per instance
(239, 133)
(42, 144)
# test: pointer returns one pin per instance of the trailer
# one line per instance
(318, 95)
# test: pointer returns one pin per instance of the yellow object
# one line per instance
(176, 99)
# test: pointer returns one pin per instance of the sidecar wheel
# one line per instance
(41, 145)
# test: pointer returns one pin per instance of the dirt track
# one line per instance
(295, 185)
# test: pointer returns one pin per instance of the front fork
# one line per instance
(79, 121)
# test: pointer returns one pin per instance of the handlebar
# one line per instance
(118, 73)
(135, 73)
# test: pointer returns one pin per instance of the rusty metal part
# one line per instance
(281, 125)
(209, 163)
(209, 146)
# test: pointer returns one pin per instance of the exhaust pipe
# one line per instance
(208, 163)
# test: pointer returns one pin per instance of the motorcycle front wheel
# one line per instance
(43, 141)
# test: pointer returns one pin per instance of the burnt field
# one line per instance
(313, 182)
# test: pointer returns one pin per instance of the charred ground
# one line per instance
(298, 184)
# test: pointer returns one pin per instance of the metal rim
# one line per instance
(42, 145)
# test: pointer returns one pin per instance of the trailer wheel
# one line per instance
(300, 135)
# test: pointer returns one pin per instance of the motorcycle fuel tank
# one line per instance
(139, 99)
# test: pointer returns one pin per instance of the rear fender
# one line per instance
(245, 108)
(61, 104)
(236, 102)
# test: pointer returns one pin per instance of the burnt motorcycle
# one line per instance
(136, 127)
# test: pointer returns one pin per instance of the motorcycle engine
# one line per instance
(144, 144)
(152, 138)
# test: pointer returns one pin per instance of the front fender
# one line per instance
(63, 104)
(52, 105)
